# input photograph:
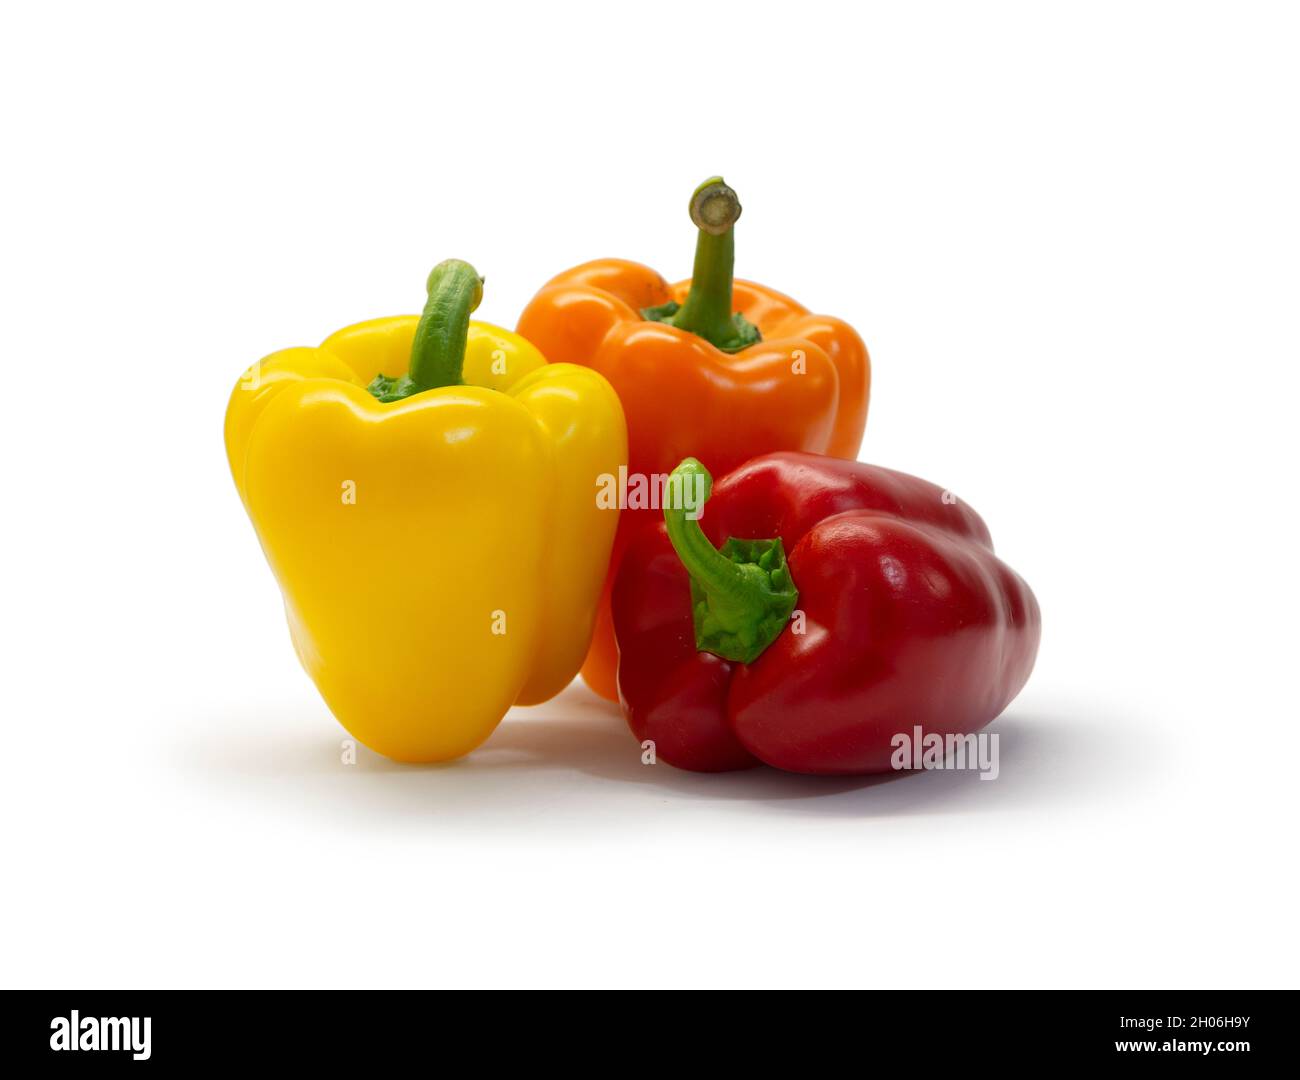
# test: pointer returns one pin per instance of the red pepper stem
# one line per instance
(741, 596)
(692, 482)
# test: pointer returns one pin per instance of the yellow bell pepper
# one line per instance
(425, 492)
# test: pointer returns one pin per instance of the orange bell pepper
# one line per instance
(712, 368)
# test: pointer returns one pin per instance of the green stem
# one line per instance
(741, 596)
(438, 351)
(707, 311)
(692, 483)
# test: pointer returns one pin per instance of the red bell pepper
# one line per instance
(890, 613)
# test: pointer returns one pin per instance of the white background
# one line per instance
(1069, 235)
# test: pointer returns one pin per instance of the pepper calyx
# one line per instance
(745, 332)
(391, 388)
(743, 595)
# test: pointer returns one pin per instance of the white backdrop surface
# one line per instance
(1069, 235)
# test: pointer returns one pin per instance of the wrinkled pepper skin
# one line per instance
(804, 386)
(910, 620)
(462, 578)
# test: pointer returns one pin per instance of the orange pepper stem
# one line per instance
(715, 209)
(438, 351)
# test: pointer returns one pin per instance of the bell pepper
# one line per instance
(715, 367)
(422, 489)
(890, 611)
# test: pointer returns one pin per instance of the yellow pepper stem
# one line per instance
(438, 351)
